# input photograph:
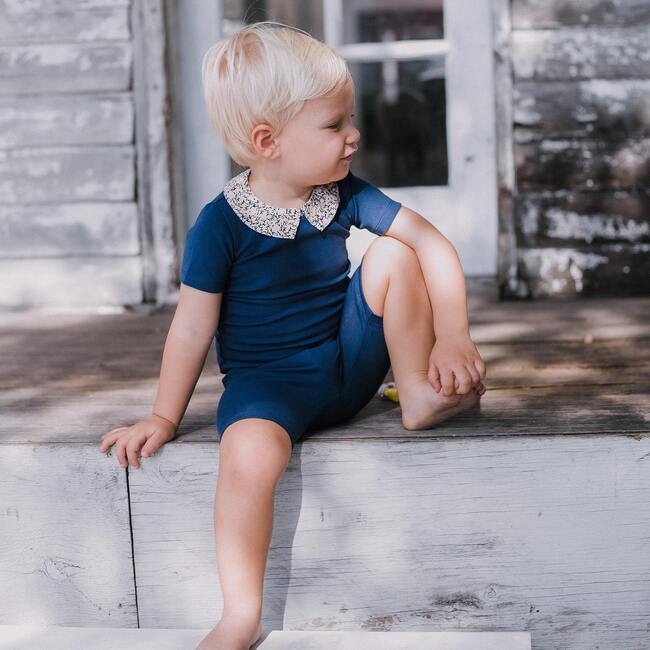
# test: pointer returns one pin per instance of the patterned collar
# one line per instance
(320, 209)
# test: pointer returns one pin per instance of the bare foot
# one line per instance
(431, 408)
(231, 634)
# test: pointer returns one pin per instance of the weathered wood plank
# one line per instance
(503, 91)
(88, 373)
(532, 407)
(51, 174)
(607, 269)
(65, 538)
(536, 14)
(604, 362)
(575, 218)
(147, 326)
(74, 281)
(608, 53)
(47, 120)
(612, 109)
(153, 147)
(69, 229)
(563, 408)
(69, 5)
(65, 67)
(511, 365)
(583, 164)
(538, 533)
(547, 322)
(44, 22)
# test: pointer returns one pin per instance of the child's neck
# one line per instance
(277, 193)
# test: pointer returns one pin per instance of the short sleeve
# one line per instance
(371, 208)
(209, 251)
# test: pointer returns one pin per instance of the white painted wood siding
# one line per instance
(85, 216)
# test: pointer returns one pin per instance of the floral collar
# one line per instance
(320, 209)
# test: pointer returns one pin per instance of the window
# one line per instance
(423, 73)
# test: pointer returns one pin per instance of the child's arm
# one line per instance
(454, 364)
(188, 341)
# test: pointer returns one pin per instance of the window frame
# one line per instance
(464, 210)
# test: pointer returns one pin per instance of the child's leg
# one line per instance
(394, 288)
(253, 455)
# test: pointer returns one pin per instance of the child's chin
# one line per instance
(342, 173)
(336, 175)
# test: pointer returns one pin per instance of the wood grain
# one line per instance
(538, 14)
(65, 538)
(65, 67)
(86, 374)
(538, 533)
(75, 119)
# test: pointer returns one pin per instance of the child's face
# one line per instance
(314, 144)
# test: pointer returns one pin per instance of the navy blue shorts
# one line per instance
(318, 386)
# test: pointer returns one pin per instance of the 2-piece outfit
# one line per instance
(297, 342)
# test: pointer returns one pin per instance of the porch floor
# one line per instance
(570, 367)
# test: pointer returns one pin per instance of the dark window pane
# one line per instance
(400, 104)
(305, 14)
(374, 22)
(402, 119)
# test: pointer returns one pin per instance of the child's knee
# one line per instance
(391, 250)
(386, 257)
(255, 447)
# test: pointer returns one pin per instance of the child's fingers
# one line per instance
(120, 453)
(121, 450)
(108, 441)
(108, 433)
(133, 442)
(447, 381)
(127, 450)
(480, 366)
(152, 445)
(133, 447)
(434, 378)
(473, 372)
(463, 381)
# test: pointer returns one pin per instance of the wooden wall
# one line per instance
(85, 200)
(70, 217)
(581, 138)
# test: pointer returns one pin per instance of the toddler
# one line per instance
(265, 274)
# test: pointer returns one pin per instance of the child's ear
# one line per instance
(264, 142)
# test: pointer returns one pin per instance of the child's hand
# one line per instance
(153, 433)
(455, 366)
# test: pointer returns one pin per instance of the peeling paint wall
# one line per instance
(581, 130)
(69, 219)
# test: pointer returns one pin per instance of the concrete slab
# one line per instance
(29, 637)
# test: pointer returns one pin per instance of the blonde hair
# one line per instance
(263, 73)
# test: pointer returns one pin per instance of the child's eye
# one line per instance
(336, 126)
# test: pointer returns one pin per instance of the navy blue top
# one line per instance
(280, 295)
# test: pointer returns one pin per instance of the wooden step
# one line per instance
(530, 514)
(28, 637)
